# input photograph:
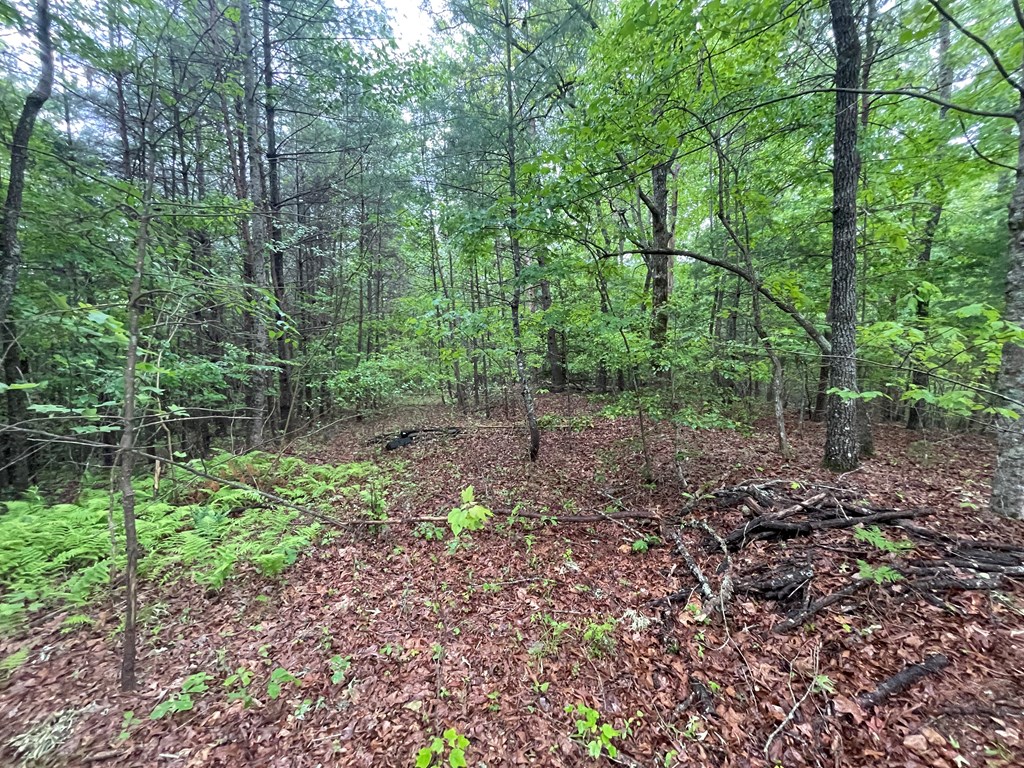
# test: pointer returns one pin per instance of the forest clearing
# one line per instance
(512, 382)
(389, 636)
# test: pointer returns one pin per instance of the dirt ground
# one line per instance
(528, 617)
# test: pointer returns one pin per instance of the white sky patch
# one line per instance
(411, 23)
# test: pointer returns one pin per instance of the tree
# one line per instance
(10, 248)
(841, 446)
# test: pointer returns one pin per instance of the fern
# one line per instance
(879, 540)
(880, 574)
(10, 664)
(199, 529)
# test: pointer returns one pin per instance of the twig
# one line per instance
(698, 574)
(792, 713)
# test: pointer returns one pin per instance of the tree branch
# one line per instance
(981, 43)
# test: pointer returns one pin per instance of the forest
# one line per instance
(512, 382)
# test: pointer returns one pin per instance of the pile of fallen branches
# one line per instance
(780, 509)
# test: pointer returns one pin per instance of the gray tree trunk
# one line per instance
(257, 261)
(841, 443)
(1008, 482)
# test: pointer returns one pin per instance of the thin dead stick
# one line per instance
(793, 711)
(698, 574)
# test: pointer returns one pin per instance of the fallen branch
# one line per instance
(595, 518)
(771, 528)
(795, 620)
(702, 581)
(781, 584)
(902, 680)
(792, 713)
(388, 436)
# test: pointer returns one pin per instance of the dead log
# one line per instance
(386, 437)
(902, 680)
(771, 528)
(781, 584)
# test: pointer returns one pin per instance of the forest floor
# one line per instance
(498, 637)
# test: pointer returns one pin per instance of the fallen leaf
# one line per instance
(916, 743)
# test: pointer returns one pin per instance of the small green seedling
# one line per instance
(451, 742)
(339, 668)
(597, 737)
(278, 679)
(181, 702)
(470, 516)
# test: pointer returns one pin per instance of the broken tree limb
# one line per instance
(725, 588)
(902, 680)
(781, 584)
(771, 528)
(594, 518)
(705, 588)
(798, 618)
(385, 437)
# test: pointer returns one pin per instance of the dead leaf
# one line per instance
(916, 743)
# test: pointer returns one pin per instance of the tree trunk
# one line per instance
(15, 456)
(1008, 482)
(257, 266)
(517, 256)
(10, 247)
(284, 397)
(841, 443)
(126, 449)
(554, 354)
(660, 261)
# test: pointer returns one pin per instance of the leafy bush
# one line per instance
(378, 381)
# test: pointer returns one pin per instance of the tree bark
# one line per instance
(284, 397)
(841, 439)
(1008, 482)
(126, 449)
(15, 455)
(660, 260)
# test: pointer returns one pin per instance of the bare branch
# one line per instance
(981, 43)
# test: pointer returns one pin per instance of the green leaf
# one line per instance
(424, 758)
(21, 385)
(457, 759)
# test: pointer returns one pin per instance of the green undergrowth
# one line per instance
(202, 530)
